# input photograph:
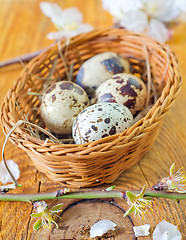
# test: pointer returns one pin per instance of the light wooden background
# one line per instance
(23, 29)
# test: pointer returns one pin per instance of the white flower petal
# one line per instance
(158, 30)
(70, 15)
(67, 21)
(164, 10)
(4, 175)
(181, 5)
(101, 227)
(141, 230)
(117, 8)
(50, 9)
(166, 231)
(61, 17)
(82, 28)
(134, 20)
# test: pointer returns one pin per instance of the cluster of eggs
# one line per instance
(116, 96)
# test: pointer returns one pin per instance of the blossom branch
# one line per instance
(59, 194)
(24, 58)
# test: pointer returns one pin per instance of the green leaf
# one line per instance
(131, 196)
(130, 210)
(57, 207)
(38, 224)
(110, 188)
(142, 192)
(36, 214)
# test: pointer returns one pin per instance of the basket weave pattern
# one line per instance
(104, 160)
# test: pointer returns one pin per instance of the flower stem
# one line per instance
(55, 195)
(162, 194)
(59, 194)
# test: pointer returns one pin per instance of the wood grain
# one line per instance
(23, 29)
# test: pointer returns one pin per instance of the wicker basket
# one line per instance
(104, 160)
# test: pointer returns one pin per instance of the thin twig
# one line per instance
(35, 94)
(64, 60)
(67, 140)
(149, 80)
(49, 77)
(24, 58)
(7, 137)
(142, 114)
(154, 93)
(167, 65)
(32, 133)
(79, 130)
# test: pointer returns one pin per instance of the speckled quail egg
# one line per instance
(101, 120)
(123, 88)
(100, 67)
(61, 104)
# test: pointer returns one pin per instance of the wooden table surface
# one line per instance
(23, 29)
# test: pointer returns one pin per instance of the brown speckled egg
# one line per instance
(125, 89)
(61, 104)
(101, 120)
(100, 67)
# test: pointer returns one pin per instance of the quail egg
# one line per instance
(101, 120)
(123, 88)
(100, 67)
(61, 104)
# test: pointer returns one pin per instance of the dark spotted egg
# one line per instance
(101, 120)
(100, 67)
(61, 104)
(123, 88)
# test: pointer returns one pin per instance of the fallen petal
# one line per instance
(101, 227)
(166, 231)
(141, 230)
(4, 175)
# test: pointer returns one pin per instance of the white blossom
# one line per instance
(134, 20)
(4, 175)
(157, 30)
(118, 8)
(68, 21)
(101, 227)
(181, 5)
(141, 231)
(165, 11)
(166, 231)
(147, 16)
